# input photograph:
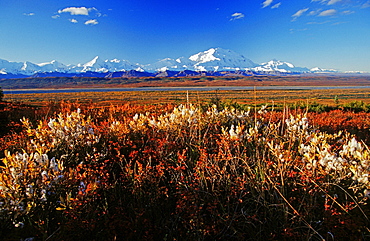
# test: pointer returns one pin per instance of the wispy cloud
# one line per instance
(91, 22)
(55, 16)
(331, 2)
(237, 16)
(314, 12)
(299, 13)
(293, 30)
(338, 23)
(325, 22)
(347, 12)
(29, 14)
(329, 12)
(366, 5)
(328, 2)
(276, 5)
(267, 3)
(73, 20)
(320, 1)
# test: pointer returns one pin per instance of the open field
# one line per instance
(207, 165)
(279, 97)
(258, 80)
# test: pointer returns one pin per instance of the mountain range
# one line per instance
(215, 61)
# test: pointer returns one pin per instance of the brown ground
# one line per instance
(329, 97)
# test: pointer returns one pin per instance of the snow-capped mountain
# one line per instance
(212, 60)
(217, 59)
(53, 66)
(320, 70)
(279, 66)
(164, 65)
(7, 67)
(102, 66)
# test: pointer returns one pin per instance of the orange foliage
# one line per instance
(76, 171)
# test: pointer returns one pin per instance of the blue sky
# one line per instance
(308, 33)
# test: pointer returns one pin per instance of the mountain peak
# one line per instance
(275, 65)
(217, 59)
(113, 61)
(53, 62)
(92, 62)
(203, 57)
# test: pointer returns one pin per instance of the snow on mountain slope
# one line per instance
(94, 65)
(95, 61)
(28, 68)
(214, 59)
(217, 59)
(103, 66)
(53, 66)
(115, 65)
(204, 57)
(279, 66)
(10, 67)
(320, 70)
(164, 65)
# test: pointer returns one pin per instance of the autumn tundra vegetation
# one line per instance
(210, 170)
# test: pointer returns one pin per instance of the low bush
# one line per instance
(183, 173)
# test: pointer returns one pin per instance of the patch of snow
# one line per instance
(140, 69)
(92, 62)
(290, 65)
(200, 68)
(204, 57)
(163, 69)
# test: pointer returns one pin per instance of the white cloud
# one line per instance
(348, 12)
(237, 16)
(276, 5)
(91, 22)
(299, 13)
(77, 10)
(314, 12)
(331, 2)
(329, 12)
(55, 16)
(366, 5)
(29, 14)
(292, 30)
(73, 20)
(327, 2)
(339, 23)
(267, 3)
(319, 22)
